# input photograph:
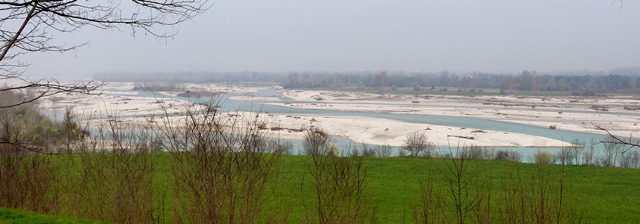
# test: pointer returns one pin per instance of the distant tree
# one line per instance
(633, 84)
(526, 80)
(417, 87)
(28, 26)
(381, 80)
(417, 144)
(337, 80)
(506, 82)
(466, 82)
(454, 81)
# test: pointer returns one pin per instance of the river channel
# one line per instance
(230, 104)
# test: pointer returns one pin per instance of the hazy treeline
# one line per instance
(197, 77)
(158, 86)
(25, 126)
(577, 82)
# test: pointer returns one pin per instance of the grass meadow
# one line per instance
(392, 191)
(220, 169)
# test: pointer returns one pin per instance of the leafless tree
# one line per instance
(316, 142)
(629, 143)
(417, 144)
(381, 80)
(28, 26)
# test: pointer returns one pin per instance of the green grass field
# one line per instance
(18, 216)
(393, 185)
(608, 194)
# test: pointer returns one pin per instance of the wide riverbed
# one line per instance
(449, 122)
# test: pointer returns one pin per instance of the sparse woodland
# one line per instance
(576, 83)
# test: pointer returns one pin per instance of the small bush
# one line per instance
(472, 152)
(508, 155)
(316, 142)
(383, 150)
(340, 190)
(543, 157)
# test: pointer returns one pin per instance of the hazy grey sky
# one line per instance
(339, 35)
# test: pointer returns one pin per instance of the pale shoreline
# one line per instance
(565, 113)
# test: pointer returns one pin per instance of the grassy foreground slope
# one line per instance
(18, 216)
(393, 188)
(605, 194)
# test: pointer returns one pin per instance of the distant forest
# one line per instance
(578, 83)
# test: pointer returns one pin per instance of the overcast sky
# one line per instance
(350, 35)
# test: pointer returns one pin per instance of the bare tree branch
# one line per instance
(29, 26)
(44, 88)
(618, 140)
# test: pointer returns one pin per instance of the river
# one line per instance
(229, 104)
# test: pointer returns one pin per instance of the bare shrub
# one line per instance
(472, 152)
(350, 149)
(565, 156)
(340, 191)
(376, 151)
(316, 142)
(383, 150)
(615, 148)
(542, 157)
(417, 144)
(432, 205)
(463, 198)
(465, 193)
(402, 153)
(28, 177)
(577, 150)
(543, 197)
(610, 154)
(107, 177)
(27, 180)
(630, 159)
(570, 155)
(635, 159)
(221, 169)
(111, 176)
(589, 155)
(279, 146)
(508, 155)
(367, 151)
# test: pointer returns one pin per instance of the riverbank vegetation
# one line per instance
(214, 168)
(26, 127)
